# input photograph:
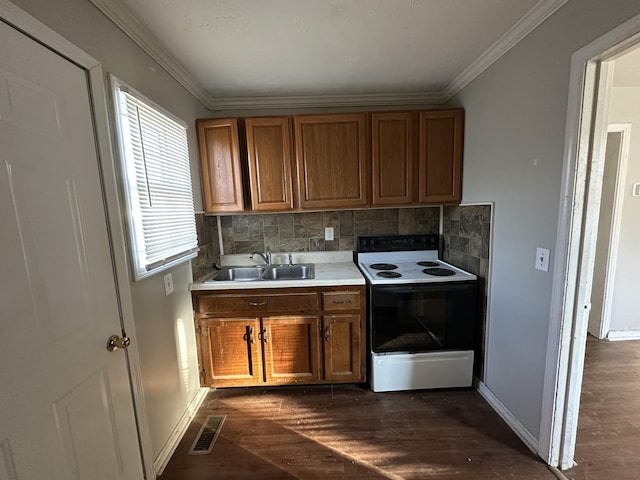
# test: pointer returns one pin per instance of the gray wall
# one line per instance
(625, 313)
(514, 136)
(164, 326)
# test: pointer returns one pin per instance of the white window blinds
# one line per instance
(157, 181)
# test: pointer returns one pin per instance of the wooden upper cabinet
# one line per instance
(392, 158)
(440, 156)
(220, 165)
(269, 153)
(332, 160)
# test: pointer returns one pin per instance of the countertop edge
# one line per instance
(327, 275)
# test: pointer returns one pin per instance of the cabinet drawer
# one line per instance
(341, 300)
(238, 304)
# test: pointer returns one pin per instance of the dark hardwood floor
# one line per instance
(348, 432)
(608, 442)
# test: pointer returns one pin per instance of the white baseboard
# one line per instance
(172, 442)
(525, 435)
(623, 335)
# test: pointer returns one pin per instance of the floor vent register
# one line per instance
(207, 435)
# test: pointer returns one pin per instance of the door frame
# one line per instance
(575, 243)
(38, 31)
(616, 222)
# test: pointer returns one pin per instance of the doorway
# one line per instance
(607, 256)
(585, 147)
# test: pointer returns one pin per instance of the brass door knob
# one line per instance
(115, 342)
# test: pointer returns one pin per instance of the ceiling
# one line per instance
(241, 53)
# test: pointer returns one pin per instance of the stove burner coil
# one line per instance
(388, 274)
(428, 263)
(383, 266)
(439, 272)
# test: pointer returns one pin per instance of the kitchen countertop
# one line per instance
(331, 269)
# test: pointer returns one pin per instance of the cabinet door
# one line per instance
(230, 352)
(269, 152)
(332, 161)
(440, 156)
(343, 348)
(220, 165)
(291, 349)
(393, 157)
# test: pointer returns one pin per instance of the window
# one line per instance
(157, 183)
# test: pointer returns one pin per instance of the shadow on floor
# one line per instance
(347, 432)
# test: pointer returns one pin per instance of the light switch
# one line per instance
(542, 259)
(636, 190)
(168, 284)
(328, 233)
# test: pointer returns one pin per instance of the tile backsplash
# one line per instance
(305, 231)
(467, 236)
(209, 243)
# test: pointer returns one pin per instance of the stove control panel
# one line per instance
(397, 243)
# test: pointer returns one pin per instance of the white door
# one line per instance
(66, 410)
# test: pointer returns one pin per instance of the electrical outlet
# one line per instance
(168, 284)
(328, 233)
(542, 259)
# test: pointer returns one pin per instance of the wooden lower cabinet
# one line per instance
(342, 348)
(290, 346)
(230, 351)
(321, 343)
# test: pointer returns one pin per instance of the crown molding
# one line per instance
(122, 17)
(534, 17)
(328, 101)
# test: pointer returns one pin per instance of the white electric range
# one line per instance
(422, 313)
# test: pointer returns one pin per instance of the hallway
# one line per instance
(608, 441)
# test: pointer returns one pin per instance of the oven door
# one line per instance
(422, 317)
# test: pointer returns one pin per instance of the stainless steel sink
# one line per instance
(238, 274)
(302, 271)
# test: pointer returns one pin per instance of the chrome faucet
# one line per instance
(265, 256)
